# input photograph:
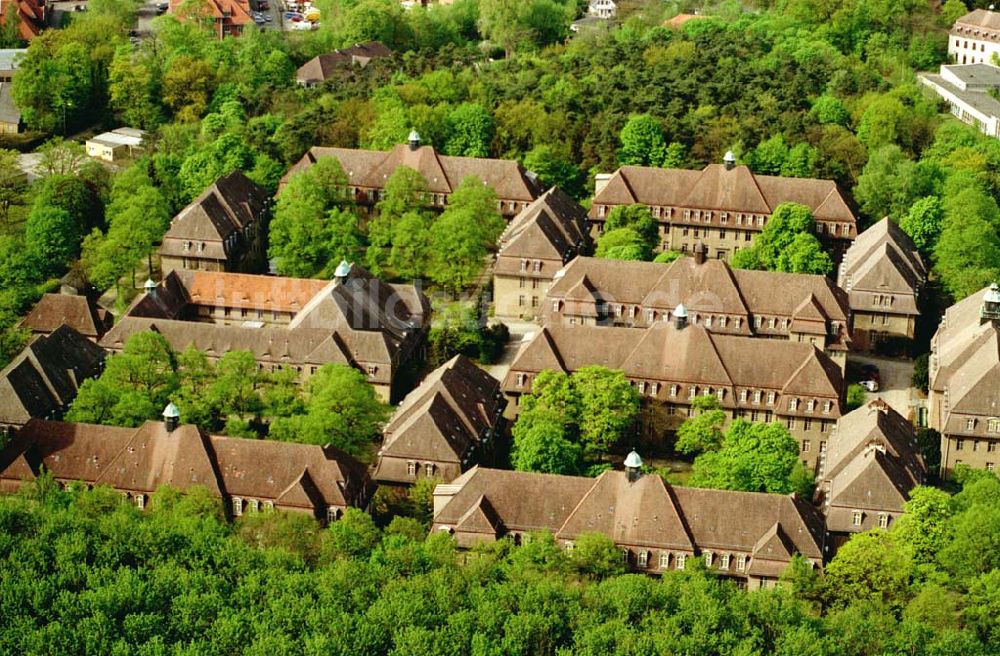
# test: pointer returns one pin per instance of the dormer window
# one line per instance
(254, 505)
(883, 520)
(519, 378)
(856, 518)
(654, 388)
(680, 560)
(724, 561)
(650, 315)
(770, 398)
(372, 369)
(411, 468)
(524, 265)
(826, 407)
(719, 393)
(970, 424)
(758, 322)
(793, 404)
(643, 558)
(625, 555)
(756, 396)
(429, 469)
(810, 405)
(555, 306)
(743, 396)
(642, 387)
(741, 562)
(237, 506)
(708, 559)
(673, 390)
(993, 425)
(770, 323)
(664, 560)
(692, 392)
(538, 266)
(140, 501)
(722, 322)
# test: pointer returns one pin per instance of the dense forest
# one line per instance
(85, 572)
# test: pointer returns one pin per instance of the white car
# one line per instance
(869, 385)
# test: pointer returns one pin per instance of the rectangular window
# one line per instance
(664, 560)
(770, 398)
(741, 562)
(520, 380)
(883, 520)
(237, 506)
(991, 447)
(806, 446)
(642, 387)
(680, 561)
(534, 301)
(524, 265)
(990, 466)
(724, 561)
(140, 501)
(758, 322)
(959, 445)
(970, 424)
(826, 407)
(993, 425)
(722, 234)
(793, 404)
(411, 468)
(756, 396)
(719, 393)
(520, 300)
(429, 469)
(856, 518)
(654, 388)
(807, 424)
(747, 236)
(708, 559)
(643, 558)
(692, 392)
(810, 405)
(522, 282)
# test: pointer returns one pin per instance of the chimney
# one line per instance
(633, 467)
(171, 417)
(729, 160)
(680, 317)
(601, 181)
(413, 140)
(149, 287)
(700, 252)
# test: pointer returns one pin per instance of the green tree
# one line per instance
(405, 191)
(188, 84)
(471, 128)
(12, 183)
(134, 87)
(609, 406)
(596, 556)
(702, 432)
(541, 445)
(411, 246)
(642, 142)
(970, 218)
(500, 21)
(787, 243)
(638, 218)
(923, 527)
(923, 223)
(52, 236)
(829, 109)
(341, 409)
(352, 536)
(555, 169)
(754, 458)
(623, 244)
(871, 566)
(457, 251)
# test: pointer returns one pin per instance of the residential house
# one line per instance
(975, 37)
(796, 307)
(80, 313)
(116, 145)
(672, 363)
(229, 17)
(223, 229)
(544, 236)
(872, 462)
(882, 273)
(443, 427)
(354, 319)
(248, 475)
(32, 17)
(368, 170)
(9, 62)
(10, 115)
(969, 91)
(43, 379)
(723, 205)
(605, 9)
(321, 68)
(747, 537)
(964, 378)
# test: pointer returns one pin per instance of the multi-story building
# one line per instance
(354, 319)
(229, 17)
(970, 91)
(975, 37)
(866, 475)
(606, 9)
(368, 171)
(248, 475)
(223, 229)
(78, 312)
(43, 379)
(796, 307)
(443, 427)
(748, 537)
(964, 404)
(723, 205)
(543, 237)
(671, 364)
(882, 273)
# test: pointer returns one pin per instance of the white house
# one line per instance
(966, 88)
(605, 9)
(115, 145)
(975, 37)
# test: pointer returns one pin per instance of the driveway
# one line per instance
(895, 389)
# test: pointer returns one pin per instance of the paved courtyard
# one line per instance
(895, 389)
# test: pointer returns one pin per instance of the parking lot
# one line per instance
(270, 18)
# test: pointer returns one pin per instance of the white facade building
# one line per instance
(602, 9)
(975, 37)
(966, 89)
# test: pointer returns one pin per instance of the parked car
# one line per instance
(162, 7)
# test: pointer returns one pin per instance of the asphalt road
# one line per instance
(895, 389)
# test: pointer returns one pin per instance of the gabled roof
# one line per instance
(646, 513)
(883, 260)
(716, 188)
(689, 355)
(871, 481)
(552, 227)
(443, 173)
(878, 425)
(77, 312)
(225, 208)
(641, 513)
(323, 66)
(146, 458)
(43, 379)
